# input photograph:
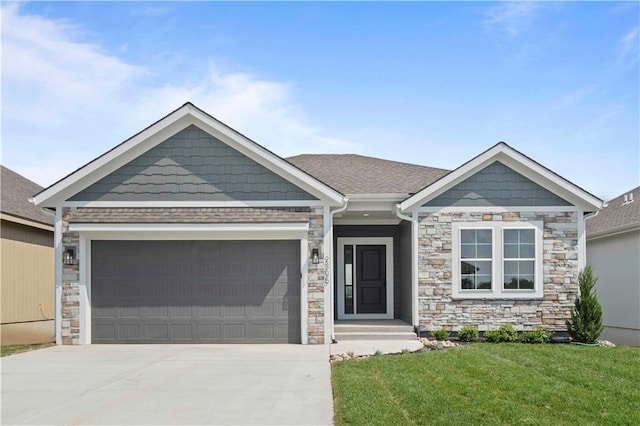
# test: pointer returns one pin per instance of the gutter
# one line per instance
(398, 213)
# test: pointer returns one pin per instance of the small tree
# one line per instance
(586, 319)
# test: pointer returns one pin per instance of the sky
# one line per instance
(429, 83)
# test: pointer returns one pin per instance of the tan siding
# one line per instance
(26, 274)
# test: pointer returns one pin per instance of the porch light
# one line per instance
(69, 256)
(315, 256)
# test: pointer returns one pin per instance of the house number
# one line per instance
(327, 269)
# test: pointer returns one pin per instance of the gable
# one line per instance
(496, 185)
(192, 165)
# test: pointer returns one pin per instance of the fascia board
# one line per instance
(371, 205)
(114, 159)
(25, 222)
(519, 163)
(394, 196)
(221, 231)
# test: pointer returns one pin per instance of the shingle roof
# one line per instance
(189, 215)
(357, 174)
(16, 191)
(616, 215)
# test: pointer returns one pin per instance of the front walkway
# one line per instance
(168, 385)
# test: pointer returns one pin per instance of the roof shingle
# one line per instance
(357, 174)
(189, 215)
(616, 214)
(16, 191)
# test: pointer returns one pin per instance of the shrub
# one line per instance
(586, 319)
(468, 333)
(441, 334)
(506, 333)
(539, 335)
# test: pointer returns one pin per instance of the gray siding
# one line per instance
(406, 305)
(497, 185)
(192, 166)
(355, 231)
(615, 262)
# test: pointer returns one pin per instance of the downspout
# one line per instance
(414, 265)
(584, 229)
(331, 282)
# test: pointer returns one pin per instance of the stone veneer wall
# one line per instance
(437, 308)
(317, 278)
(316, 284)
(70, 288)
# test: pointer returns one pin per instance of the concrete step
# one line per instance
(400, 335)
(372, 328)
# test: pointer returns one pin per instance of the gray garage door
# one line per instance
(195, 291)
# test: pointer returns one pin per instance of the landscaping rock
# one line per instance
(438, 344)
(606, 343)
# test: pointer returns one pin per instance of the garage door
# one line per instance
(195, 291)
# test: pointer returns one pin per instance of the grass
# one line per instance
(491, 384)
(16, 349)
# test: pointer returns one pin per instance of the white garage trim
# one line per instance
(89, 232)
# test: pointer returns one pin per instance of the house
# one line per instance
(26, 263)
(191, 232)
(613, 250)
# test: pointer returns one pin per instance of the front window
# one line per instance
(519, 259)
(497, 260)
(476, 254)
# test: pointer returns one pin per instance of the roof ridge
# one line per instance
(365, 156)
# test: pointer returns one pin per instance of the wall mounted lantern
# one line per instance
(69, 256)
(315, 256)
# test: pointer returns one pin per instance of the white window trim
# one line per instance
(386, 241)
(497, 291)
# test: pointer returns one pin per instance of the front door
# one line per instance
(365, 278)
(371, 279)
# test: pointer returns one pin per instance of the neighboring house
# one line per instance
(191, 232)
(26, 263)
(613, 249)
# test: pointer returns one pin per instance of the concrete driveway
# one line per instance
(168, 384)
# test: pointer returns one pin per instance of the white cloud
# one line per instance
(512, 17)
(65, 101)
(628, 46)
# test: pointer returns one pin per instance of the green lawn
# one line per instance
(16, 349)
(491, 384)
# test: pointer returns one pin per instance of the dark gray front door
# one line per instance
(371, 279)
(195, 291)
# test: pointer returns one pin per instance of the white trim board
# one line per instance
(205, 231)
(386, 241)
